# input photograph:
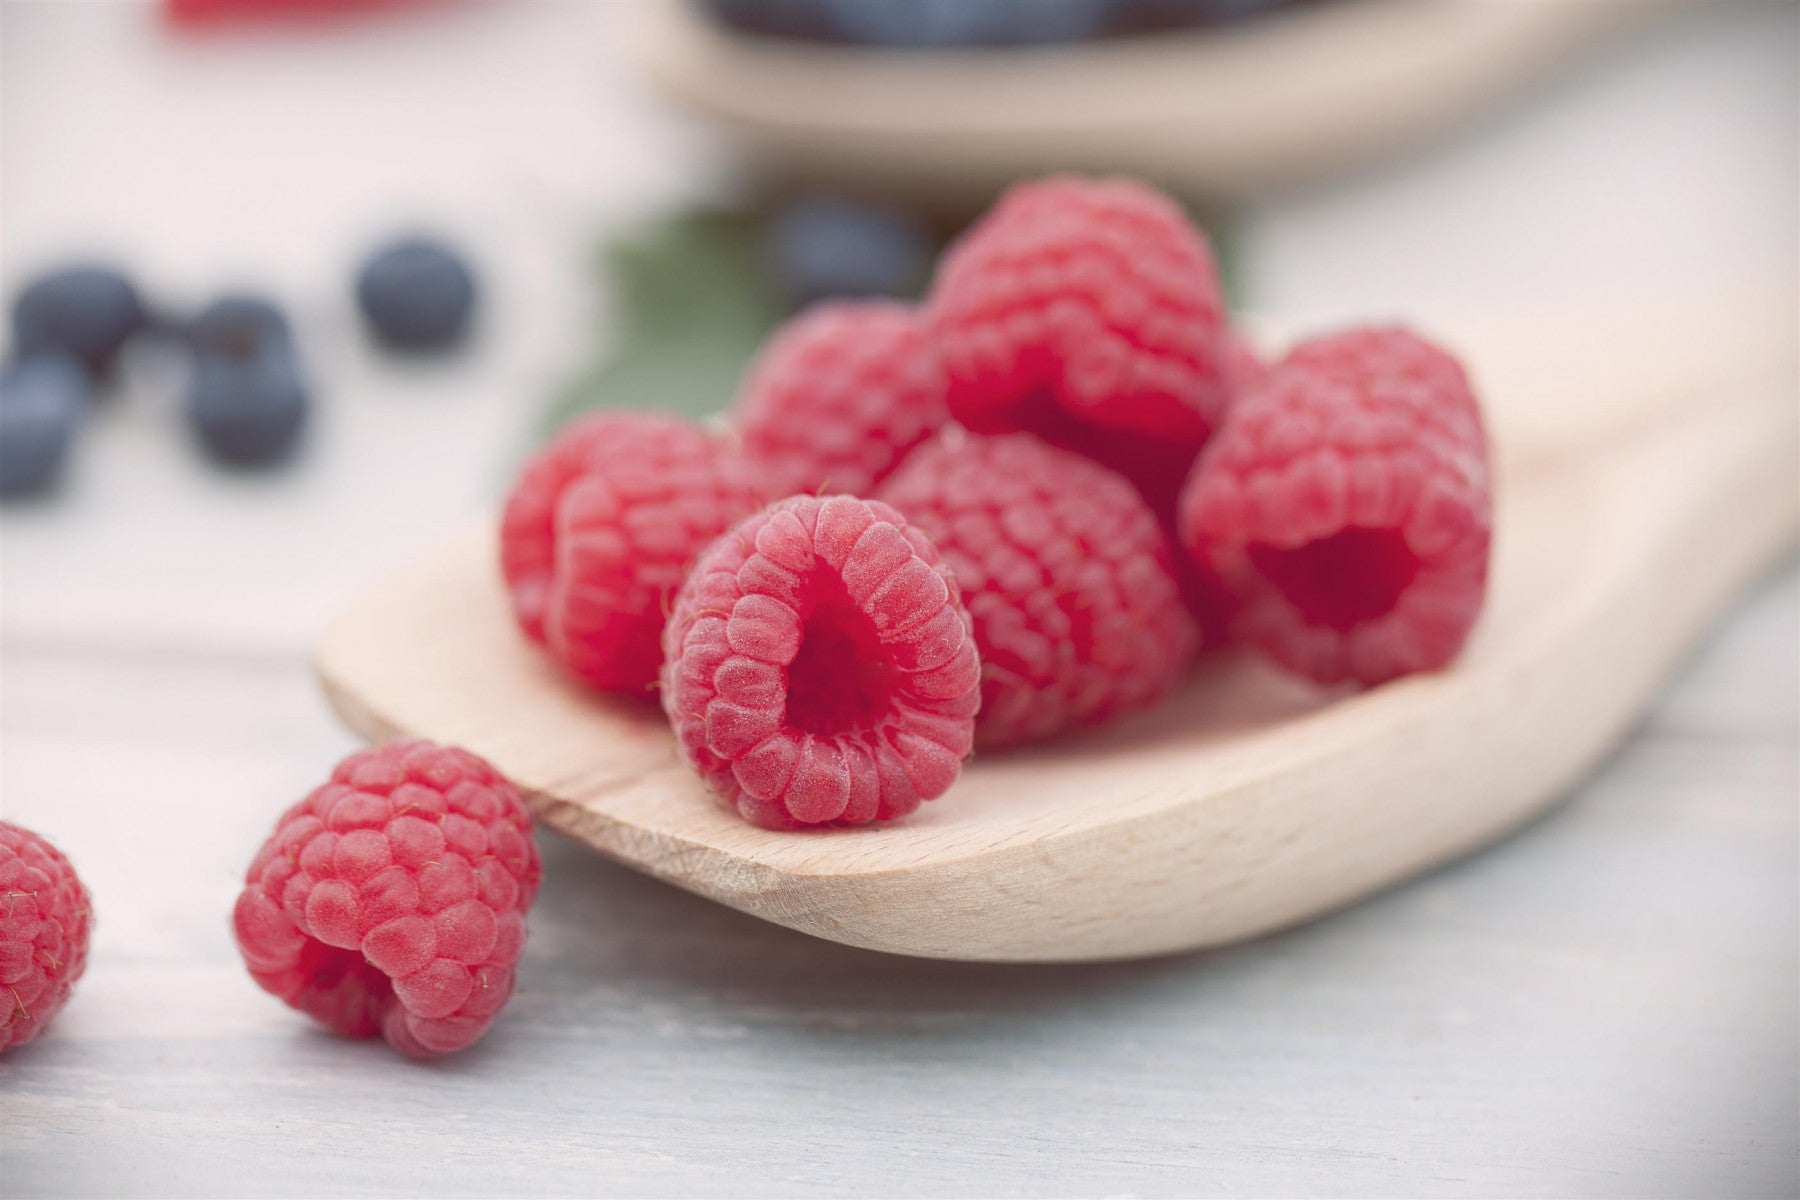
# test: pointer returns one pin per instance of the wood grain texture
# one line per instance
(1223, 114)
(1247, 802)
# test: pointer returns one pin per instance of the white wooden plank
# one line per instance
(1603, 1004)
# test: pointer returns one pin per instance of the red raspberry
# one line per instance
(1088, 312)
(45, 916)
(392, 900)
(1066, 574)
(820, 666)
(1244, 367)
(1347, 507)
(1205, 593)
(205, 12)
(600, 530)
(839, 396)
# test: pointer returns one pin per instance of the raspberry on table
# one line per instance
(392, 900)
(600, 530)
(1347, 506)
(839, 396)
(45, 918)
(1088, 312)
(1067, 576)
(820, 666)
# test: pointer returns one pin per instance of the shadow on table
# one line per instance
(602, 921)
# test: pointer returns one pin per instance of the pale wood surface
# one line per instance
(1246, 802)
(1604, 1004)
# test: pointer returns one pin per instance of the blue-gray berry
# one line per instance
(239, 325)
(943, 24)
(85, 312)
(248, 398)
(825, 247)
(417, 294)
(805, 19)
(42, 399)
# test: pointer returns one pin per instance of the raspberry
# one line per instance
(839, 396)
(1347, 508)
(1088, 312)
(1244, 367)
(600, 530)
(820, 666)
(1066, 574)
(45, 916)
(1206, 595)
(392, 900)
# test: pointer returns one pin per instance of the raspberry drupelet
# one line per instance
(1067, 576)
(45, 918)
(820, 667)
(1347, 507)
(392, 900)
(839, 396)
(600, 530)
(1088, 312)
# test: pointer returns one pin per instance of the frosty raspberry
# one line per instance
(1066, 574)
(839, 396)
(392, 899)
(820, 667)
(45, 918)
(602, 527)
(1088, 311)
(1347, 508)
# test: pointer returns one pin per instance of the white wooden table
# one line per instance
(1606, 1004)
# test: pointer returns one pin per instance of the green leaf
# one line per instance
(694, 302)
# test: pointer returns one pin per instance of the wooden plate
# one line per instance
(1219, 114)
(1648, 469)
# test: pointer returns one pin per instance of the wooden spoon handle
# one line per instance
(1598, 377)
(1578, 380)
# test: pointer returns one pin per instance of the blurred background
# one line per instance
(617, 199)
(640, 189)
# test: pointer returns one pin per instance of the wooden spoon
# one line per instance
(1219, 114)
(1647, 466)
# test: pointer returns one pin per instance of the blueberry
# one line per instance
(938, 24)
(238, 326)
(824, 246)
(1156, 16)
(805, 19)
(247, 400)
(42, 399)
(416, 294)
(84, 312)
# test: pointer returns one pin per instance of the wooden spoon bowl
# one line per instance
(1647, 467)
